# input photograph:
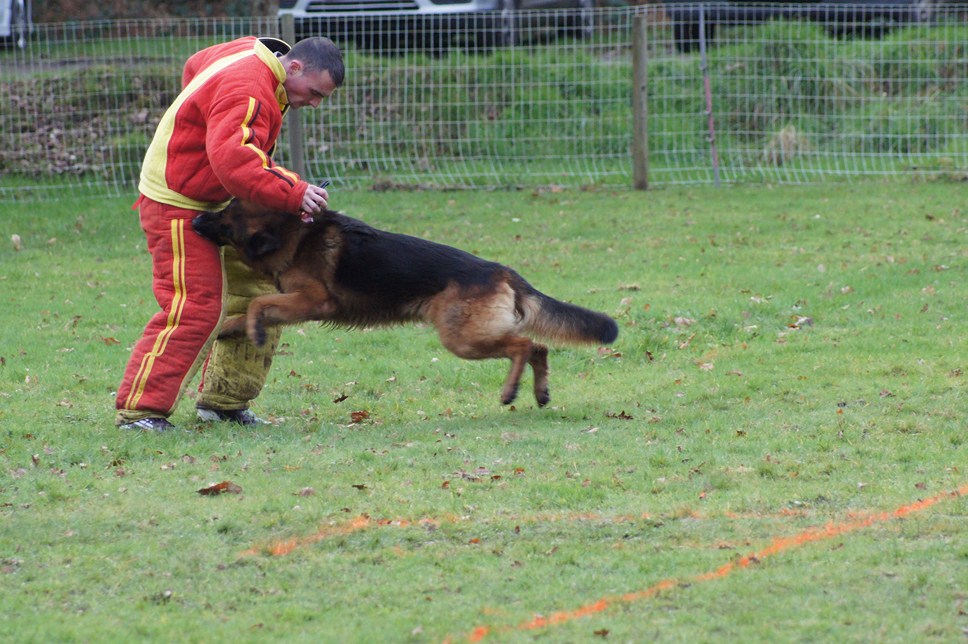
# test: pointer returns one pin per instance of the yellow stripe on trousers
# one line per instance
(174, 315)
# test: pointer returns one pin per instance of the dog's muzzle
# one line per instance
(209, 226)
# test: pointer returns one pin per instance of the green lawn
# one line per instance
(745, 463)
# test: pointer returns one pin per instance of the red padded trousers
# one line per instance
(188, 284)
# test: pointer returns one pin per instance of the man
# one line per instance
(214, 143)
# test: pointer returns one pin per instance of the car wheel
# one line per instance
(508, 22)
(434, 37)
(585, 19)
(686, 35)
(19, 29)
(924, 10)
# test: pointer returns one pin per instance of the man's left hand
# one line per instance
(315, 199)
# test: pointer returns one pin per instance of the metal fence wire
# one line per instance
(697, 97)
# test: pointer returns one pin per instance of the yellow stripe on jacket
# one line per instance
(247, 142)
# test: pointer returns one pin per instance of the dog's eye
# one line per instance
(261, 244)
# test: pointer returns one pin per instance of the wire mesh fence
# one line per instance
(458, 104)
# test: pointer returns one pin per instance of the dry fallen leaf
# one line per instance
(620, 415)
(225, 487)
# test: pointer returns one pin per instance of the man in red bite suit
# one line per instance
(214, 143)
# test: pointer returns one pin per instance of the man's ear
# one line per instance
(261, 244)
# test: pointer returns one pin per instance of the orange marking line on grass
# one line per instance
(778, 545)
(362, 522)
(365, 522)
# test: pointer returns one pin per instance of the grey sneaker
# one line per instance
(240, 416)
(148, 425)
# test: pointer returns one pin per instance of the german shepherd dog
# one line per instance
(341, 271)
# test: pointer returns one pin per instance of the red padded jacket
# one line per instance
(215, 141)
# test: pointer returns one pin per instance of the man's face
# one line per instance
(307, 88)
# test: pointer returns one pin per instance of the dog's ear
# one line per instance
(261, 243)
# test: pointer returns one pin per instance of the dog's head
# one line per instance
(253, 231)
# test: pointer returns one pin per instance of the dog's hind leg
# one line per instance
(478, 326)
(519, 350)
(539, 364)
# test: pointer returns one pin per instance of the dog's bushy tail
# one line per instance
(562, 322)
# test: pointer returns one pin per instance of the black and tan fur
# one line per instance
(341, 271)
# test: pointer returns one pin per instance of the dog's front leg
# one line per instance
(284, 308)
(268, 310)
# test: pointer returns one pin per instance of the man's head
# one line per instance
(314, 69)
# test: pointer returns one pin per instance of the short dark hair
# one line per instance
(322, 53)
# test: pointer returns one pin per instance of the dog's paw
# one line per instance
(543, 397)
(508, 396)
(257, 333)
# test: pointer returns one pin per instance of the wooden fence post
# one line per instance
(710, 120)
(640, 109)
(297, 152)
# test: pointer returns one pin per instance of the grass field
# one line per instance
(774, 449)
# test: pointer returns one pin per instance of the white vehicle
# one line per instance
(15, 22)
(439, 24)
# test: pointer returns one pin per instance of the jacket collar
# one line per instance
(268, 50)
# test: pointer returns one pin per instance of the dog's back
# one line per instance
(384, 277)
(396, 266)
(381, 277)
